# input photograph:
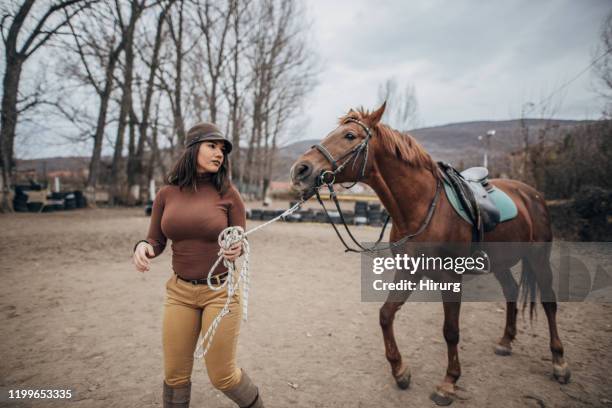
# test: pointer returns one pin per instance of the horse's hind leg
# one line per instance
(561, 370)
(399, 369)
(511, 291)
(540, 265)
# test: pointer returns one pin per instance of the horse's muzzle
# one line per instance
(303, 179)
(301, 171)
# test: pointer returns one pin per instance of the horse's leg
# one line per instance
(399, 369)
(511, 290)
(540, 265)
(561, 370)
(443, 395)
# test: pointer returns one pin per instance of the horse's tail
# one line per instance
(528, 288)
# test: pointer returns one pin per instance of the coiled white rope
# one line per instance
(227, 238)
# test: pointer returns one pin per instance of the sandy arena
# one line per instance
(76, 315)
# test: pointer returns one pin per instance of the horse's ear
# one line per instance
(377, 114)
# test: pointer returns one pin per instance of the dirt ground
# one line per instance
(75, 314)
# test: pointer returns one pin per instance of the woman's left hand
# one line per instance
(233, 252)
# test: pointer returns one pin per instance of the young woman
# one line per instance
(195, 206)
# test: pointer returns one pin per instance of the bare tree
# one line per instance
(214, 20)
(602, 65)
(534, 141)
(126, 105)
(99, 39)
(21, 40)
(139, 123)
(235, 84)
(155, 157)
(283, 72)
(137, 160)
(170, 73)
(402, 107)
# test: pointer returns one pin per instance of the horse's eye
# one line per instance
(350, 136)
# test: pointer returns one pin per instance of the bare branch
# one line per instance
(81, 54)
(38, 30)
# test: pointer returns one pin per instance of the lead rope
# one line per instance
(228, 237)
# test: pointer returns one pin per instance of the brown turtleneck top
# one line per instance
(192, 220)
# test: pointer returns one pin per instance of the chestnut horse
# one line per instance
(406, 180)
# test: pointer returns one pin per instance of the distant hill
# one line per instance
(297, 148)
(460, 140)
(454, 143)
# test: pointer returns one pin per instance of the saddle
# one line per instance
(476, 200)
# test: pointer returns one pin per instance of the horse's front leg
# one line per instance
(444, 392)
(399, 369)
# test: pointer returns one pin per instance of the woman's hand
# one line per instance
(141, 260)
(233, 252)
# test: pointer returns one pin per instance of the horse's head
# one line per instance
(344, 155)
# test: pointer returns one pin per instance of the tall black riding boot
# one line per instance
(245, 394)
(177, 397)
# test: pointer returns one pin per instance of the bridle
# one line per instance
(328, 178)
(352, 154)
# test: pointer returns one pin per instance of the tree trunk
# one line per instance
(12, 75)
(235, 119)
(146, 109)
(155, 147)
(272, 155)
(251, 152)
(115, 189)
(132, 167)
(133, 164)
(94, 164)
(178, 114)
(126, 101)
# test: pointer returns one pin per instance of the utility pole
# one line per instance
(487, 145)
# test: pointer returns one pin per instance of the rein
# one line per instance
(422, 228)
(328, 179)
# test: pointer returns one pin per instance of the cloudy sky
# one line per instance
(468, 60)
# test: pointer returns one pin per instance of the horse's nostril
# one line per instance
(302, 171)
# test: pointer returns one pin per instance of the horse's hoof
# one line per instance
(403, 380)
(562, 373)
(502, 350)
(441, 399)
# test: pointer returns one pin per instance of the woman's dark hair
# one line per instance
(185, 171)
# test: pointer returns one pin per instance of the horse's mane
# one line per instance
(402, 145)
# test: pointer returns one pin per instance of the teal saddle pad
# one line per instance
(507, 207)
